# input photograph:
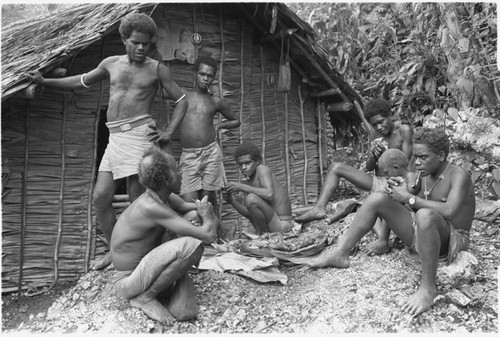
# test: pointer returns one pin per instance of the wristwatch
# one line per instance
(412, 201)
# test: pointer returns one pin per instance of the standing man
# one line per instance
(266, 203)
(384, 134)
(134, 81)
(438, 226)
(146, 269)
(201, 159)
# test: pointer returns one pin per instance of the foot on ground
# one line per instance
(314, 213)
(153, 309)
(377, 247)
(101, 263)
(420, 301)
(329, 257)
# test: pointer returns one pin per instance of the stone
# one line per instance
(460, 271)
(458, 298)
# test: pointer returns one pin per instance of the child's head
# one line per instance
(247, 157)
(393, 163)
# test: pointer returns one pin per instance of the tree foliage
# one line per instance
(419, 56)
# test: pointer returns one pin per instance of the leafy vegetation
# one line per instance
(419, 56)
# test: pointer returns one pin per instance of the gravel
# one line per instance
(362, 298)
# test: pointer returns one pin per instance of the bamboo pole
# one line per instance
(195, 29)
(242, 101)
(24, 203)
(90, 228)
(61, 193)
(287, 149)
(320, 141)
(304, 145)
(221, 95)
(263, 116)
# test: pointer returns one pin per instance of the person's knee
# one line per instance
(335, 168)
(426, 219)
(252, 200)
(376, 199)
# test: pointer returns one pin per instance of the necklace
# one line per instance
(441, 177)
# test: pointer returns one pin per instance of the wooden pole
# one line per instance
(262, 112)
(90, 228)
(61, 192)
(304, 145)
(287, 149)
(24, 202)
(242, 100)
(320, 140)
(221, 95)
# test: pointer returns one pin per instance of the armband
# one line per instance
(180, 99)
(83, 83)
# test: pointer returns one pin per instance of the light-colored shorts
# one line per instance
(125, 148)
(459, 240)
(280, 223)
(202, 169)
(130, 283)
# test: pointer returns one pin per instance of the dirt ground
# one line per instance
(362, 298)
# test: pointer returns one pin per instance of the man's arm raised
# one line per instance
(71, 82)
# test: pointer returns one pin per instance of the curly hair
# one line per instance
(248, 148)
(377, 106)
(435, 139)
(139, 22)
(205, 60)
(154, 168)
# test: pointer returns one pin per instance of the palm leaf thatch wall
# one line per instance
(51, 141)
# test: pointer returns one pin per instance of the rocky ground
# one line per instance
(362, 298)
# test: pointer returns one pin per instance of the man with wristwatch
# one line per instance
(437, 226)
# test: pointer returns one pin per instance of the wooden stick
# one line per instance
(304, 145)
(221, 95)
(61, 193)
(24, 177)
(90, 228)
(242, 100)
(262, 113)
(287, 149)
(320, 141)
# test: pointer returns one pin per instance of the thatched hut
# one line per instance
(52, 140)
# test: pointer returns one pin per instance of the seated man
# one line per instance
(383, 134)
(146, 268)
(438, 226)
(266, 203)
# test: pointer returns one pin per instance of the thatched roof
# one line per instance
(42, 43)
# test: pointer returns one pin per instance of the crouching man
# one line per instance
(266, 203)
(147, 270)
(437, 226)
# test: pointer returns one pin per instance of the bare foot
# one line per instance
(420, 301)
(182, 303)
(314, 213)
(330, 257)
(377, 247)
(154, 309)
(101, 263)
